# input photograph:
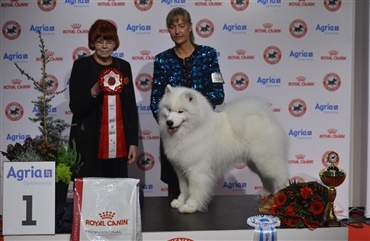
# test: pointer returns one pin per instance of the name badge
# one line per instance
(217, 78)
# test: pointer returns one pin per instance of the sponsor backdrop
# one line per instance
(297, 54)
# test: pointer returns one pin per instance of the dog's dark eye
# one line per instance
(169, 110)
(180, 111)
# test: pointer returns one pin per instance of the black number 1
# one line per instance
(28, 221)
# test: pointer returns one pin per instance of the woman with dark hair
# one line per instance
(100, 85)
(185, 64)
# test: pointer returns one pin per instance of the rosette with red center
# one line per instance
(112, 142)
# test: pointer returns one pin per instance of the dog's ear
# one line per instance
(190, 96)
(168, 89)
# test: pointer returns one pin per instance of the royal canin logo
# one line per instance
(50, 57)
(76, 29)
(302, 3)
(333, 55)
(301, 81)
(145, 55)
(13, 3)
(208, 3)
(107, 219)
(300, 159)
(146, 135)
(267, 28)
(240, 55)
(111, 3)
(17, 85)
(332, 134)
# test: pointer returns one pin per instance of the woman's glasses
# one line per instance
(100, 43)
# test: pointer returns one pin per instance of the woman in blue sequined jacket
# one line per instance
(186, 64)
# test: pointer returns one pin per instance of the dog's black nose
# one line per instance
(169, 123)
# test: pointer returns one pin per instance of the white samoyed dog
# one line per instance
(203, 145)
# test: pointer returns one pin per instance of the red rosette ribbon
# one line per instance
(112, 143)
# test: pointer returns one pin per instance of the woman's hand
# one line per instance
(131, 154)
(95, 90)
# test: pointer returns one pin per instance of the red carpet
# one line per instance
(359, 234)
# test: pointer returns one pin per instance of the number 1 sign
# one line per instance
(29, 198)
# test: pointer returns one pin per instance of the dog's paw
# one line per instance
(187, 209)
(176, 203)
(264, 193)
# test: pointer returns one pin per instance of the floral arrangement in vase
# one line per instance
(50, 145)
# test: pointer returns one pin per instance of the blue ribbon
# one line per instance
(264, 227)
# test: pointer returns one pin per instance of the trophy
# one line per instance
(332, 177)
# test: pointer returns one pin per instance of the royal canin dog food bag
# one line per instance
(106, 209)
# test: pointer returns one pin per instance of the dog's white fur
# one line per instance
(203, 144)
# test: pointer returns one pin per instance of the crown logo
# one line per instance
(332, 131)
(333, 52)
(241, 52)
(301, 78)
(300, 156)
(146, 132)
(16, 81)
(76, 26)
(145, 52)
(49, 53)
(267, 25)
(107, 215)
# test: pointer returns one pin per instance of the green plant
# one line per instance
(50, 145)
(69, 162)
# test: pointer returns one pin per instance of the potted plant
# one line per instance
(50, 145)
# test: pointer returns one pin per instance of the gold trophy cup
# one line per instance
(332, 177)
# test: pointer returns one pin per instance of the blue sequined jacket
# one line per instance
(169, 69)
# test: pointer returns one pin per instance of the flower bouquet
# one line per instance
(299, 205)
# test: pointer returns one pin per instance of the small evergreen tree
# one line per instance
(51, 129)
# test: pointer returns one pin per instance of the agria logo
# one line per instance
(31, 173)
(11, 30)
